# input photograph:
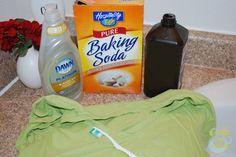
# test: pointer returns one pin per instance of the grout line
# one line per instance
(7, 87)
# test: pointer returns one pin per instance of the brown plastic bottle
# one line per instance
(164, 56)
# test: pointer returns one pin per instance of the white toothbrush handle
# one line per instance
(116, 145)
(124, 150)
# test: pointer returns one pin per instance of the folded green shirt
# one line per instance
(173, 124)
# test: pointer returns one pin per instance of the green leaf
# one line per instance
(20, 20)
(29, 43)
(20, 36)
(21, 52)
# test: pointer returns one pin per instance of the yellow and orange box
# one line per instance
(110, 34)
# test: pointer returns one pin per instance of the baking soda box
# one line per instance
(109, 34)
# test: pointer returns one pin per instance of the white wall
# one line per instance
(15, 8)
(207, 15)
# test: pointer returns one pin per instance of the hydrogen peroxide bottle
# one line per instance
(59, 62)
(164, 56)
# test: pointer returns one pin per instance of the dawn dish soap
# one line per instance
(59, 62)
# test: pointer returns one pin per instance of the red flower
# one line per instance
(6, 45)
(12, 32)
(18, 34)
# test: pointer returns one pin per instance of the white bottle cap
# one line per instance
(52, 13)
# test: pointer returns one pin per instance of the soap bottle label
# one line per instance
(64, 77)
(57, 30)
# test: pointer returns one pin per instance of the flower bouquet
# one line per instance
(22, 38)
(18, 35)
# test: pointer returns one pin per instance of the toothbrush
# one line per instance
(99, 133)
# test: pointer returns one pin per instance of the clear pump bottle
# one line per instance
(59, 62)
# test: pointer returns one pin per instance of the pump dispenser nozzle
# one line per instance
(52, 13)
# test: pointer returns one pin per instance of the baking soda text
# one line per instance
(100, 50)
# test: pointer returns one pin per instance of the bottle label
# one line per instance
(57, 30)
(65, 78)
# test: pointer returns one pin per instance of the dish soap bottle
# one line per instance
(164, 56)
(59, 62)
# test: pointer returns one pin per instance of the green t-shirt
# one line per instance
(173, 124)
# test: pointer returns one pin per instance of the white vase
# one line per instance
(27, 69)
(39, 7)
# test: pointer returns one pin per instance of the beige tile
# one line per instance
(195, 76)
(214, 36)
(208, 53)
(233, 58)
(7, 68)
(13, 119)
(93, 99)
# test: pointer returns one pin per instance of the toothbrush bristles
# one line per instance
(96, 133)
